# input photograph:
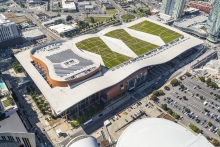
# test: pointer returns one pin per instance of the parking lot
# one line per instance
(202, 104)
(122, 120)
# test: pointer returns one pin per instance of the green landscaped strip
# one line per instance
(138, 46)
(6, 103)
(111, 11)
(165, 34)
(97, 19)
(97, 46)
(129, 16)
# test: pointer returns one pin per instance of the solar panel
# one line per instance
(71, 66)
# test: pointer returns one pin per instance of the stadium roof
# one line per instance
(62, 61)
(83, 141)
(60, 98)
(158, 132)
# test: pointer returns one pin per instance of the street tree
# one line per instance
(174, 82)
(164, 107)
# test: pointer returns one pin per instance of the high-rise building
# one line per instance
(213, 22)
(14, 134)
(8, 30)
(173, 8)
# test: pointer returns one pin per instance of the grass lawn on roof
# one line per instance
(165, 34)
(97, 46)
(138, 46)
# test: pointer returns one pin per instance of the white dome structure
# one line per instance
(158, 132)
(83, 141)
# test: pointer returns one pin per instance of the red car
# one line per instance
(118, 115)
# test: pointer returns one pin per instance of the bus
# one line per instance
(87, 122)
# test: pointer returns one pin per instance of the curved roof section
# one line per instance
(158, 132)
(83, 141)
(60, 98)
(63, 61)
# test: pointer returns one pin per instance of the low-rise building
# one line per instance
(27, 25)
(191, 11)
(89, 7)
(51, 21)
(201, 6)
(34, 34)
(83, 4)
(61, 28)
(108, 6)
(68, 5)
(42, 16)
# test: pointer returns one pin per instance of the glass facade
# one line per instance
(213, 22)
(84, 103)
(173, 8)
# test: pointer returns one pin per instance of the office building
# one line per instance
(213, 22)
(173, 8)
(13, 133)
(8, 30)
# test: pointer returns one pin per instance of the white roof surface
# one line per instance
(60, 98)
(32, 33)
(159, 132)
(60, 28)
(85, 142)
(68, 5)
(44, 55)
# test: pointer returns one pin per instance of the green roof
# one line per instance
(97, 46)
(138, 46)
(165, 34)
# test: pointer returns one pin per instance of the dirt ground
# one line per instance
(17, 19)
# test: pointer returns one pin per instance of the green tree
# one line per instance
(184, 97)
(208, 80)
(19, 26)
(164, 107)
(59, 4)
(92, 19)
(209, 123)
(166, 88)
(155, 92)
(201, 97)
(174, 82)
(68, 18)
(153, 97)
(170, 111)
(207, 137)
(188, 74)
(176, 116)
(215, 142)
(182, 86)
(186, 109)
(195, 128)
(160, 92)
(202, 79)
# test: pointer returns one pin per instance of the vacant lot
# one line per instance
(111, 11)
(16, 19)
(97, 46)
(138, 46)
(129, 16)
(148, 27)
(97, 19)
